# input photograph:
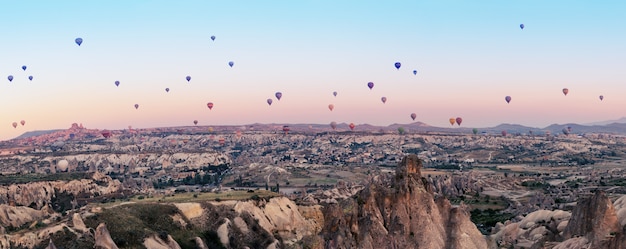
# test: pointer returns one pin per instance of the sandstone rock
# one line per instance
(156, 242)
(103, 238)
(594, 218)
(78, 224)
(222, 233)
(51, 245)
(200, 243)
(18, 216)
(190, 210)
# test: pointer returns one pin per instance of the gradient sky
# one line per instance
(469, 54)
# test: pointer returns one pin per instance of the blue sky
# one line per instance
(469, 54)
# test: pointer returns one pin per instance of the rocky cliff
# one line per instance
(401, 212)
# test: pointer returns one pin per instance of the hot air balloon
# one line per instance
(333, 125)
(79, 41)
(23, 122)
(136, 106)
(30, 78)
(231, 64)
(508, 99)
(383, 99)
(503, 133)
(413, 116)
(106, 134)
(286, 129)
(188, 78)
(351, 125)
(331, 107)
(452, 121)
(14, 124)
(459, 120)
(521, 26)
(475, 131)
(117, 83)
(269, 101)
(278, 95)
(370, 85)
(335, 94)
(414, 72)
(397, 65)
(195, 122)
(601, 97)
(167, 89)
(10, 78)
(565, 91)
(213, 38)
(24, 67)
(210, 105)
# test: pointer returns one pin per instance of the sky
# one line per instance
(469, 55)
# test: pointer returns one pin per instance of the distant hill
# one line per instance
(36, 133)
(620, 121)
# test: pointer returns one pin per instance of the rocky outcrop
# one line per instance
(595, 219)
(15, 217)
(161, 242)
(78, 224)
(534, 230)
(400, 213)
(103, 238)
(51, 245)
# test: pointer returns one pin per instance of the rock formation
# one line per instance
(103, 238)
(402, 213)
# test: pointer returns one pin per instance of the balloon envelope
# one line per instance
(351, 125)
(231, 64)
(14, 124)
(565, 91)
(117, 83)
(136, 106)
(188, 78)
(601, 97)
(397, 65)
(24, 67)
(383, 99)
(10, 78)
(167, 90)
(333, 125)
(23, 122)
(452, 120)
(414, 72)
(413, 116)
(521, 26)
(213, 37)
(79, 41)
(30, 78)
(269, 101)
(335, 94)
(508, 99)
(503, 133)
(474, 131)
(459, 120)
(195, 122)
(278, 95)
(210, 105)
(370, 85)
(331, 107)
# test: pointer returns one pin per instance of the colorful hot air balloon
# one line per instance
(23, 122)
(331, 107)
(136, 106)
(117, 83)
(188, 78)
(24, 67)
(333, 125)
(335, 94)
(167, 89)
(508, 99)
(106, 134)
(210, 105)
(231, 64)
(269, 101)
(213, 38)
(414, 72)
(30, 78)
(397, 65)
(351, 125)
(79, 41)
(286, 129)
(452, 121)
(195, 122)
(278, 95)
(475, 131)
(10, 78)
(565, 91)
(370, 85)
(503, 133)
(521, 26)
(383, 99)
(459, 120)
(14, 124)
(601, 97)
(413, 116)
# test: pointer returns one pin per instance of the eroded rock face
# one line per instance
(103, 238)
(402, 213)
